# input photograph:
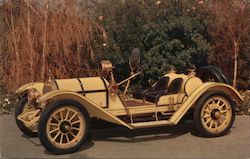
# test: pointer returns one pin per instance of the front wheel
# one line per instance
(214, 114)
(63, 126)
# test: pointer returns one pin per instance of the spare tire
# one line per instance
(213, 74)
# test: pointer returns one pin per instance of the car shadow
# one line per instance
(197, 134)
(86, 146)
(103, 131)
(33, 140)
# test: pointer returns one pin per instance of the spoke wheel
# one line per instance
(214, 114)
(63, 126)
(24, 106)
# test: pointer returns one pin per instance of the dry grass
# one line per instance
(39, 40)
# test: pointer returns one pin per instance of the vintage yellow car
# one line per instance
(59, 110)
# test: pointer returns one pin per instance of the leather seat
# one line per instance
(173, 88)
(159, 87)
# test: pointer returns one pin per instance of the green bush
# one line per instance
(168, 34)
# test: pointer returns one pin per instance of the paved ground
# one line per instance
(165, 142)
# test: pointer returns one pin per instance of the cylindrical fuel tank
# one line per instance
(94, 88)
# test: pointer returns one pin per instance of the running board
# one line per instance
(150, 124)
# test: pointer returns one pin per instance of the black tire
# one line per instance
(208, 73)
(18, 110)
(42, 134)
(202, 130)
(222, 76)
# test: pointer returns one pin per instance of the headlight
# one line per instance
(106, 66)
(33, 94)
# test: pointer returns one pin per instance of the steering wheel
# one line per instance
(134, 61)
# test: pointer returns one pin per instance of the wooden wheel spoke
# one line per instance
(72, 134)
(208, 121)
(53, 124)
(73, 116)
(221, 106)
(206, 116)
(67, 114)
(52, 131)
(218, 103)
(61, 115)
(74, 128)
(61, 139)
(67, 138)
(213, 104)
(58, 121)
(208, 107)
(207, 110)
(211, 124)
(224, 111)
(216, 124)
(75, 122)
(55, 137)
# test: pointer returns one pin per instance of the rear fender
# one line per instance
(93, 109)
(208, 86)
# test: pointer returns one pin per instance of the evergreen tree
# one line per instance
(167, 32)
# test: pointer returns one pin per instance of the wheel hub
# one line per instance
(65, 127)
(216, 114)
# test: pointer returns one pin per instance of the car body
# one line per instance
(47, 107)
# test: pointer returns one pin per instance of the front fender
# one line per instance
(93, 109)
(36, 85)
(208, 86)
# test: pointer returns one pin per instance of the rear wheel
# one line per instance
(214, 114)
(63, 126)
